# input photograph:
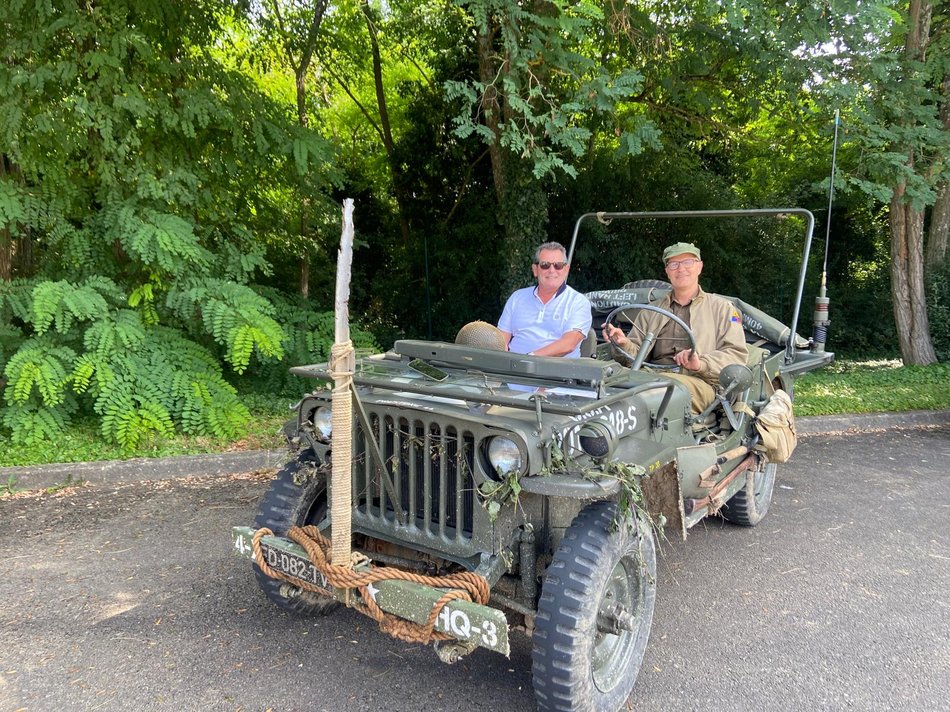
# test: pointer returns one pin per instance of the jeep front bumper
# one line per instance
(470, 623)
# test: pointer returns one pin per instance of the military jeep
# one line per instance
(548, 477)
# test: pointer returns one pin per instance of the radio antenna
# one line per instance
(821, 321)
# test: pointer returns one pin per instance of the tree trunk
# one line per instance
(398, 181)
(936, 253)
(301, 68)
(522, 203)
(907, 228)
(305, 275)
(491, 107)
(939, 230)
(907, 282)
(6, 254)
(6, 238)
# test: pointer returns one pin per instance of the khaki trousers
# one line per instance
(701, 393)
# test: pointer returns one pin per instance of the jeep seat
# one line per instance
(589, 344)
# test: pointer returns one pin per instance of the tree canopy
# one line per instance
(171, 176)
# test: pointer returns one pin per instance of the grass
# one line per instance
(882, 386)
(82, 442)
(842, 388)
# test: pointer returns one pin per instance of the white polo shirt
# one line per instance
(533, 324)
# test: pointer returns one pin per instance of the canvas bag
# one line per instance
(776, 426)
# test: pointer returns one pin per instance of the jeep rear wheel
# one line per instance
(749, 505)
(288, 504)
(595, 613)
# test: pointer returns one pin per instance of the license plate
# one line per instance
(297, 566)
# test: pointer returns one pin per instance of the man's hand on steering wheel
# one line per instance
(688, 359)
(615, 335)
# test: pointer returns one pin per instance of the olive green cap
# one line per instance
(681, 248)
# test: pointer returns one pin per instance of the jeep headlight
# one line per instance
(323, 423)
(505, 455)
(596, 439)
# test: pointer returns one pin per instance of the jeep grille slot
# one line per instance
(431, 468)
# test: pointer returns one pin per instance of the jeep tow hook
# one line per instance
(450, 652)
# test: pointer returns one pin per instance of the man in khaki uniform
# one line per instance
(715, 322)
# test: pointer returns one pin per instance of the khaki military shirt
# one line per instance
(716, 325)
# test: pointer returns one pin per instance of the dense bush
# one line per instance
(141, 179)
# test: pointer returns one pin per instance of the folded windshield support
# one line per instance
(606, 218)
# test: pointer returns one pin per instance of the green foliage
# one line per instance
(165, 379)
(890, 100)
(82, 440)
(60, 304)
(938, 310)
(504, 491)
(235, 316)
(309, 336)
(31, 423)
(545, 84)
(162, 242)
(38, 368)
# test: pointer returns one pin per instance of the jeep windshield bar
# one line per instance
(755, 212)
(566, 371)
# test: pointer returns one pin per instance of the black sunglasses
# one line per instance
(548, 265)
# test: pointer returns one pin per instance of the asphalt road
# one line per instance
(128, 598)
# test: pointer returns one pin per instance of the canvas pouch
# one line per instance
(776, 426)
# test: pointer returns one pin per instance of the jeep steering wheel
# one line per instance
(624, 358)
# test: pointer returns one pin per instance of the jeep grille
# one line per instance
(431, 466)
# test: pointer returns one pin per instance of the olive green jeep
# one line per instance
(546, 478)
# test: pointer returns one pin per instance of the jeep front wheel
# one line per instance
(595, 613)
(297, 497)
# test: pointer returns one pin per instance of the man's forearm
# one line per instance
(563, 346)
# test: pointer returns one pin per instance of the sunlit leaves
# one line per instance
(546, 83)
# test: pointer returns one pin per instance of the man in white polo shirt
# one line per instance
(550, 319)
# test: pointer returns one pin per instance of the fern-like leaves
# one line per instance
(163, 242)
(40, 367)
(309, 338)
(34, 423)
(60, 304)
(235, 316)
(165, 379)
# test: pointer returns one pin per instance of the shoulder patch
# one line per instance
(735, 316)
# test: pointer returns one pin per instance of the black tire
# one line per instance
(287, 504)
(577, 665)
(648, 284)
(749, 505)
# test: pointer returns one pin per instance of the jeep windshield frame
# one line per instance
(606, 217)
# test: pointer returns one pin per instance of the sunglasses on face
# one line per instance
(548, 265)
(676, 264)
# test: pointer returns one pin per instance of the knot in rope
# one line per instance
(342, 360)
